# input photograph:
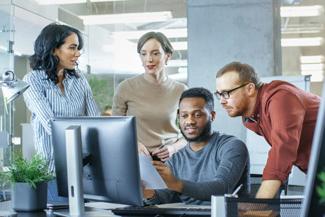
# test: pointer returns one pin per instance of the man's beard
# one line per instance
(204, 136)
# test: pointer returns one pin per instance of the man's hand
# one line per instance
(171, 181)
(268, 189)
(148, 193)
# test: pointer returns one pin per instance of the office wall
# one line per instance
(227, 30)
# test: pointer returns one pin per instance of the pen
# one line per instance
(236, 190)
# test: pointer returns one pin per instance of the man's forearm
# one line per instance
(177, 186)
(268, 189)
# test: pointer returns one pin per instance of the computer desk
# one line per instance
(7, 211)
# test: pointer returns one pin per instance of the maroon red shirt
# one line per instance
(286, 116)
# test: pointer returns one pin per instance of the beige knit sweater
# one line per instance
(154, 106)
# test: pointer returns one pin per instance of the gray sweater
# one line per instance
(214, 170)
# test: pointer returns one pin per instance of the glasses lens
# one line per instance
(225, 95)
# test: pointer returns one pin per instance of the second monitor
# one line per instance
(110, 158)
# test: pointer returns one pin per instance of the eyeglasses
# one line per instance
(226, 93)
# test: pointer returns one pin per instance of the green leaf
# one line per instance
(320, 189)
(33, 171)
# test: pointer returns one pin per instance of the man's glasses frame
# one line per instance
(226, 93)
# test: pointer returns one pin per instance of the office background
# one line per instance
(279, 38)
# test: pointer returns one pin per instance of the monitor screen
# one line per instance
(314, 198)
(110, 158)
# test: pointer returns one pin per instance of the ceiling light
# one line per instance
(297, 42)
(59, 2)
(315, 75)
(182, 70)
(312, 59)
(179, 77)
(170, 33)
(17, 53)
(126, 18)
(312, 67)
(177, 63)
(3, 48)
(107, 0)
(302, 28)
(301, 11)
(298, 31)
(180, 45)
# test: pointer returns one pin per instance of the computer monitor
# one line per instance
(314, 203)
(110, 158)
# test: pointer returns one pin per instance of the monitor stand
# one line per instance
(74, 169)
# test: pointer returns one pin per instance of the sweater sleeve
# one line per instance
(119, 107)
(164, 196)
(231, 160)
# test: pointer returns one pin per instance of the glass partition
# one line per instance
(28, 25)
(6, 63)
(112, 40)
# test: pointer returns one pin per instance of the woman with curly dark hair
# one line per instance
(57, 88)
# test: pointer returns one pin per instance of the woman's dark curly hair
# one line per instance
(51, 37)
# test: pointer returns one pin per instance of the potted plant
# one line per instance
(29, 183)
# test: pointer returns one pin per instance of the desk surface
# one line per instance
(7, 211)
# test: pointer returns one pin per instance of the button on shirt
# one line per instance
(286, 116)
(45, 100)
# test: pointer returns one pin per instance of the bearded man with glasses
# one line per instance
(279, 111)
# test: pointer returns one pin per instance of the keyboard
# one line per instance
(163, 211)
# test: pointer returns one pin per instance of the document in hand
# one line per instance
(149, 175)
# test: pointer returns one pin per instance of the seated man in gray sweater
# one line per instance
(211, 163)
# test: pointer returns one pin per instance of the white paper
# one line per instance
(149, 175)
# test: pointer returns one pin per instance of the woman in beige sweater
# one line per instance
(152, 98)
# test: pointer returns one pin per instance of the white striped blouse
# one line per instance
(45, 100)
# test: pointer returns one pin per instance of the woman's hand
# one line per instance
(162, 153)
(165, 152)
(142, 149)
